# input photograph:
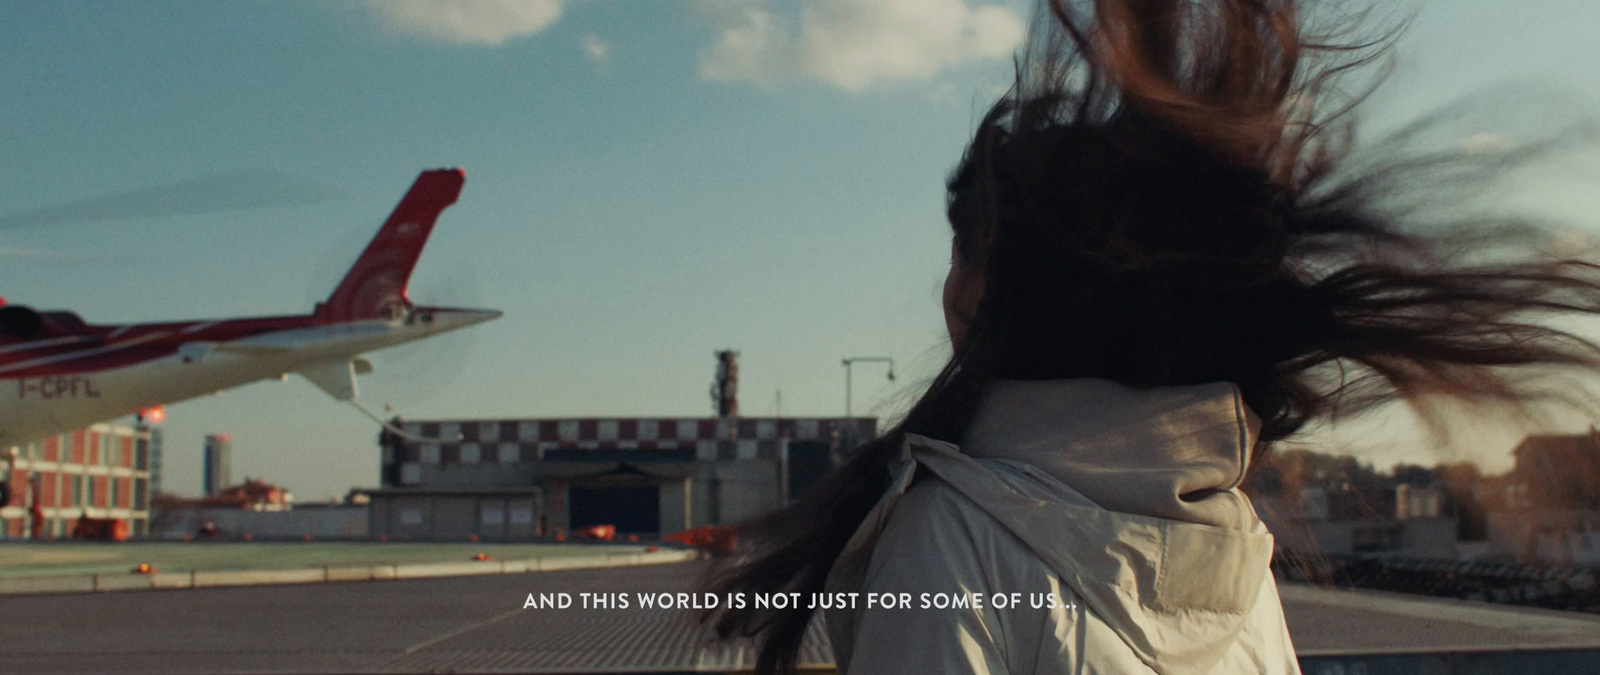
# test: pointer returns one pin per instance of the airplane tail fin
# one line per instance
(375, 287)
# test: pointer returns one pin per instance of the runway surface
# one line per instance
(479, 625)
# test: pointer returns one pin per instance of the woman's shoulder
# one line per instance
(947, 562)
(936, 532)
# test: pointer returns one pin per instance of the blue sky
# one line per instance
(647, 182)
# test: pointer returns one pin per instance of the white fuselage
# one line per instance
(37, 407)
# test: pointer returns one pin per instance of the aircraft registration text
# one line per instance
(57, 387)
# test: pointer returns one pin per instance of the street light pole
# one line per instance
(848, 388)
(851, 361)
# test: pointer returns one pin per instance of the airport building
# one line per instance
(529, 478)
(1548, 512)
(104, 472)
(218, 464)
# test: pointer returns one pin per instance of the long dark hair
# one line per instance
(1162, 199)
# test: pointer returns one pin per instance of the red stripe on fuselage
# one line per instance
(95, 349)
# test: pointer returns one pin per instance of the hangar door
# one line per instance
(808, 463)
(634, 510)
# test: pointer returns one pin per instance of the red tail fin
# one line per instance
(375, 287)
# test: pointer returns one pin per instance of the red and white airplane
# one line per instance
(58, 373)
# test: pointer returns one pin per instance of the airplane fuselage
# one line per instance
(48, 386)
(58, 373)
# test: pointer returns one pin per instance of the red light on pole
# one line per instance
(154, 415)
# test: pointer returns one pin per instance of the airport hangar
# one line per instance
(534, 478)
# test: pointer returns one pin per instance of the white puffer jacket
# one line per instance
(1123, 504)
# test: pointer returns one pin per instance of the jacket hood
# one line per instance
(1131, 497)
(1178, 453)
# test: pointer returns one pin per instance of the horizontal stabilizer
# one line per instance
(337, 378)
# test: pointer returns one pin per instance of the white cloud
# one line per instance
(595, 48)
(853, 44)
(478, 22)
(752, 48)
(724, 9)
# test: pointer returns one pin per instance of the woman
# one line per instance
(1160, 267)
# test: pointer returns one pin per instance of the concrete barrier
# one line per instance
(172, 580)
(426, 570)
(65, 584)
(122, 582)
(611, 560)
(337, 574)
(103, 583)
(212, 579)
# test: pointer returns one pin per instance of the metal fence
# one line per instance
(1573, 589)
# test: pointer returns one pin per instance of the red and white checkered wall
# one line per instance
(511, 441)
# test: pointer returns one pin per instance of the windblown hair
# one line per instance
(1162, 198)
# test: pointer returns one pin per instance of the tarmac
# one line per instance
(479, 624)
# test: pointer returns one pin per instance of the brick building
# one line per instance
(1548, 507)
(104, 471)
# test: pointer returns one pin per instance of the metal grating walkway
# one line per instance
(455, 625)
(477, 625)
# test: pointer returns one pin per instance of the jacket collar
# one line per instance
(1177, 453)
